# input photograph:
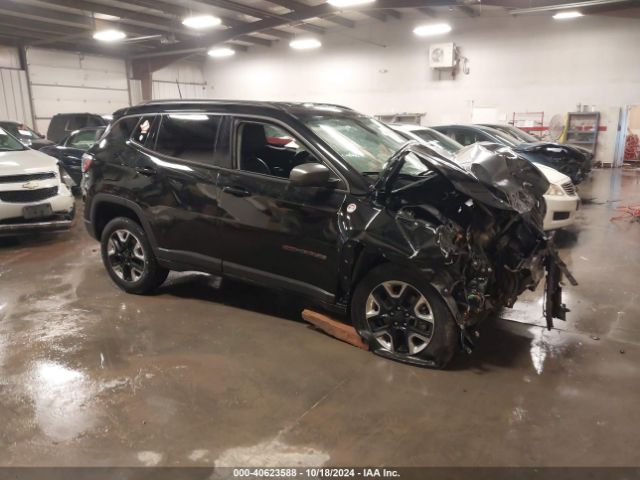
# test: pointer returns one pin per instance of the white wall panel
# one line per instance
(14, 96)
(166, 90)
(517, 64)
(180, 80)
(63, 82)
(9, 57)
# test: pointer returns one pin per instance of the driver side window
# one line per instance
(268, 149)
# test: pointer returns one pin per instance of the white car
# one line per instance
(33, 192)
(561, 198)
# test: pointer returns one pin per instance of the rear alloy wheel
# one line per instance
(403, 317)
(128, 257)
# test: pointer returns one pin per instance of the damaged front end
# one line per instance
(473, 226)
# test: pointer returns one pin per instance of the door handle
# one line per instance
(237, 191)
(148, 171)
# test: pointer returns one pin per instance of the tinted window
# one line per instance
(270, 150)
(190, 136)
(121, 130)
(146, 131)
(76, 122)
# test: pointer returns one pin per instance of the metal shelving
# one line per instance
(582, 129)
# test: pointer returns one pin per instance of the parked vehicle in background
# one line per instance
(561, 198)
(33, 194)
(563, 159)
(447, 146)
(326, 202)
(63, 124)
(70, 150)
(27, 136)
(528, 138)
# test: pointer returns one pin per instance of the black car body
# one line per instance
(70, 150)
(63, 124)
(27, 136)
(577, 151)
(325, 202)
(563, 158)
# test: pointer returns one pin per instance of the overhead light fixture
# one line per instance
(109, 35)
(567, 15)
(433, 29)
(199, 22)
(348, 3)
(305, 44)
(221, 52)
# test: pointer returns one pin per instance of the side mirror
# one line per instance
(310, 175)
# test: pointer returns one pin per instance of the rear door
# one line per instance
(175, 182)
(271, 231)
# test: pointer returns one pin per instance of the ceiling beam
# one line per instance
(393, 13)
(125, 16)
(468, 11)
(197, 45)
(375, 14)
(257, 40)
(51, 16)
(294, 5)
(259, 14)
(428, 11)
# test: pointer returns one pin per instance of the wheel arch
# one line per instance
(105, 208)
(358, 260)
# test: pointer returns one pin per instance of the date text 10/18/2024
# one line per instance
(316, 472)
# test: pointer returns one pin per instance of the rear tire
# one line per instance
(402, 317)
(128, 257)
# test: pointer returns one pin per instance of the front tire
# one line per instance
(128, 257)
(402, 317)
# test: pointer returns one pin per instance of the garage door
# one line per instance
(64, 82)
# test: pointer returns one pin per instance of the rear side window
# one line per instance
(146, 131)
(189, 136)
(121, 130)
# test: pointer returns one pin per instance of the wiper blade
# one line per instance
(370, 174)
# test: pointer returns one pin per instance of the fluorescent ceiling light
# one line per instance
(433, 29)
(348, 3)
(221, 52)
(201, 21)
(109, 35)
(567, 15)
(305, 43)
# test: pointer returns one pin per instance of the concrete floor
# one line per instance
(200, 376)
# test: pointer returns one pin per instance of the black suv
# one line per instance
(325, 202)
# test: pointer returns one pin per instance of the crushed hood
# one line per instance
(498, 178)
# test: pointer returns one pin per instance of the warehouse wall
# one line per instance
(65, 82)
(14, 92)
(527, 63)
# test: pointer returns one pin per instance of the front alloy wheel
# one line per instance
(403, 317)
(399, 317)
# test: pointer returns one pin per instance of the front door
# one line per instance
(274, 232)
